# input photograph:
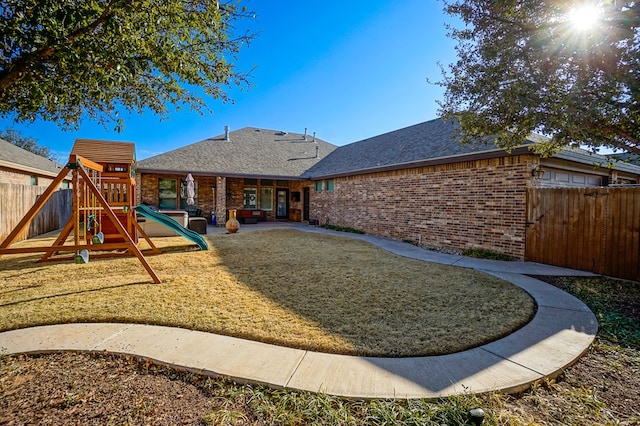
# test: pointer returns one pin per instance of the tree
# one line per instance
(27, 143)
(60, 59)
(525, 66)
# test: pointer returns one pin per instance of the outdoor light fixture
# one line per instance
(476, 416)
(537, 172)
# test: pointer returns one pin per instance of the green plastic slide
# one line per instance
(165, 220)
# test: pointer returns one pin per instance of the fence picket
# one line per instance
(16, 200)
(594, 229)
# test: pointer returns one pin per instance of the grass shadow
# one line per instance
(71, 293)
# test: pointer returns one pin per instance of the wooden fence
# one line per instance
(592, 229)
(16, 200)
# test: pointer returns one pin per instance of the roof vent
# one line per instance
(314, 136)
(226, 133)
(305, 134)
(317, 154)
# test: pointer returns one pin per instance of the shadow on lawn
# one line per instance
(71, 293)
(518, 353)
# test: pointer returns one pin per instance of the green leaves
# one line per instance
(62, 59)
(524, 68)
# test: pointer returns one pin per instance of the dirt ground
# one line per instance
(603, 387)
(86, 389)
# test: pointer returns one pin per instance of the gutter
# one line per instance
(23, 168)
(219, 174)
(599, 161)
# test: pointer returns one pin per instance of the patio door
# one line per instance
(282, 203)
(305, 204)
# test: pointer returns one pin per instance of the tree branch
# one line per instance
(20, 66)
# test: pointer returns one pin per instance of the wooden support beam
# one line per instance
(61, 248)
(26, 220)
(62, 237)
(76, 160)
(133, 248)
(154, 249)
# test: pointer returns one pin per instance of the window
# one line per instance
(167, 194)
(119, 168)
(250, 181)
(329, 185)
(34, 180)
(266, 199)
(318, 186)
(250, 198)
(266, 182)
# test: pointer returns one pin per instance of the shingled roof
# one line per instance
(14, 157)
(249, 152)
(429, 143)
(433, 141)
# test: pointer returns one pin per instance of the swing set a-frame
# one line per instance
(103, 220)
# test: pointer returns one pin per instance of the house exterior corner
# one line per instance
(469, 204)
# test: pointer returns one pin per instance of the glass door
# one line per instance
(282, 203)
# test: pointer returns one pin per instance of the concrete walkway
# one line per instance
(561, 331)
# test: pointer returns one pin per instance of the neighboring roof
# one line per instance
(14, 157)
(101, 152)
(627, 157)
(432, 141)
(578, 155)
(249, 152)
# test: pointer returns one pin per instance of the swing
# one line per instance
(93, 225)
(92, 216)
(96, 167)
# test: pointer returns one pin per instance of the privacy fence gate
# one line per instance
(592, 229)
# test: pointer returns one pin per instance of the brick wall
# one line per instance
(229, 193)
(461, 205)
(147, 190)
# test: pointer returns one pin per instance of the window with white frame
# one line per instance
(250, 198)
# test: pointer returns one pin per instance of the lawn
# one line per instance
(281, 286)
(602, 388)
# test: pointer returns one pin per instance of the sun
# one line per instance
(585, 17)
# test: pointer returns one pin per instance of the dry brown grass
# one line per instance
(281, 286)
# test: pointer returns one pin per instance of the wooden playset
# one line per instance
(103, 222)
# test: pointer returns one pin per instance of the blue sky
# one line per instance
(346, 70)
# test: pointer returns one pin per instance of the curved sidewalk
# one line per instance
(561, 331)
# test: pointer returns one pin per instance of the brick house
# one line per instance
(418, 184)
(24, 176)
(255, 171)
(414, 183)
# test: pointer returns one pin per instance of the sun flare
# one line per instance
(584, 17)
